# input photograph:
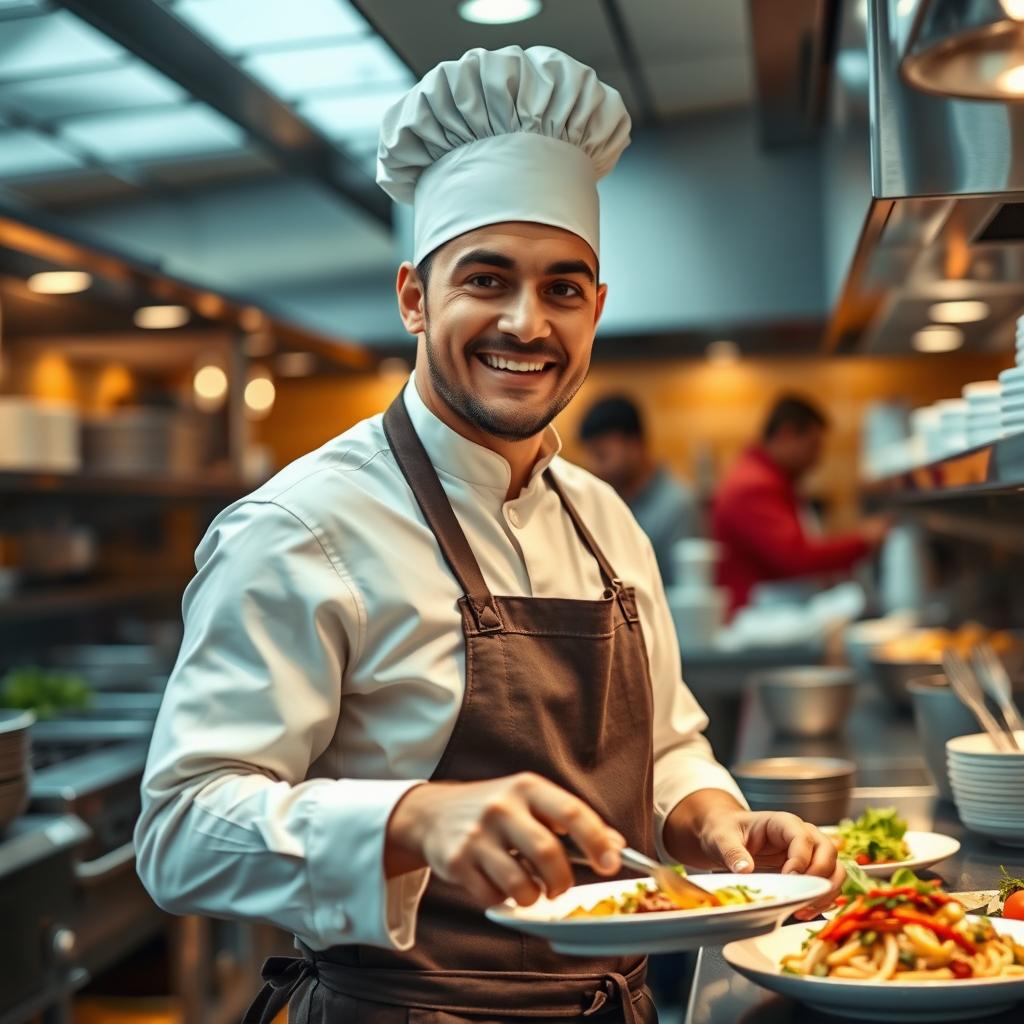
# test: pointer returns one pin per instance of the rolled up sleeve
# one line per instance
(244, 813)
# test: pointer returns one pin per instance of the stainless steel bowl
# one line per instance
(806, 701)
(818, 789)
(894, 677)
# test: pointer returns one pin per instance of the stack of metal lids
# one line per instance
(15, 763)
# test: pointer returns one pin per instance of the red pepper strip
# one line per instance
(855, 912)
(849, 927)
(942, 931)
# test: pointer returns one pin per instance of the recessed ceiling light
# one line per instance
(498, 12)
(158, 318)
(210, 385)
(938, 338)
(59, 282)
(296, 364)
(722, 351)
(967, 311)
(259, 395)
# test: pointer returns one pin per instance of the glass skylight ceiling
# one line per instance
(72, 101)
(320, 56)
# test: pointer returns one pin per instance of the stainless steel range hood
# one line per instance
(936, 214)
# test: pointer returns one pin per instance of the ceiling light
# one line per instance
(258, 345)
(259, 395)
(968, 311)
(938, 339)
(498, 12)
(1011, 80)
(158, 318)
(296, 364)
(722, 352)
(59, 282)
(210, 387)
(251, 318)
(1014, 9)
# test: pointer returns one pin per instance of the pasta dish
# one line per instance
(904, 932)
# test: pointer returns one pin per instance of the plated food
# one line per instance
(906, 932)
(879, 842)
(876, 837)
(928, 645)
(624, 931)
(647, 899)
(905, 950)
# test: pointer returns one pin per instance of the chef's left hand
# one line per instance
(728, 835)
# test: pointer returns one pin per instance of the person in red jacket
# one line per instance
(757, 515)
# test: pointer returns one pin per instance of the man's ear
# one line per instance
(602, 294)
(412, 299)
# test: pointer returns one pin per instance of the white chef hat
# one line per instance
(502, 135)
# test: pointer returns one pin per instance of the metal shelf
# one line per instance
(212, 487)
(71, 599)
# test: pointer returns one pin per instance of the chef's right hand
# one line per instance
(499, 838)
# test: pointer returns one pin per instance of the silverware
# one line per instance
(995, 681)
(967, 688)
(677, 887)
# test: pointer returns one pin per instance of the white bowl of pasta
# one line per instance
(911, 964)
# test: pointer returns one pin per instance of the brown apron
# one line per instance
(554, 686)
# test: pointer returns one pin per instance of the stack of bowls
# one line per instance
(952, 424)
(1012, 397)
(928, 442)
(984, 412)
(817, 789)
(808, 701)
(15, 763)
(988, 786)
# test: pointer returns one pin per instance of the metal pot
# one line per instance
(808, 701)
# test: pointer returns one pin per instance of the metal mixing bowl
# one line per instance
(806, 701)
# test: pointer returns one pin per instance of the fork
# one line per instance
(967, 688)
(995, 681)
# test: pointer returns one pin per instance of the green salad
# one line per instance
(876, 837)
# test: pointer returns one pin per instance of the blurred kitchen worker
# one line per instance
(759, 519)
(618, 452)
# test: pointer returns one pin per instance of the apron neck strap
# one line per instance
(421, 476)
(416, 467)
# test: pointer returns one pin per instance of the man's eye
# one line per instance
(484, 280)
(565, 290)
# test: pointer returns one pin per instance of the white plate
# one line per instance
(659, 932)
(926, 849)
(925, 1001)
(977, 747)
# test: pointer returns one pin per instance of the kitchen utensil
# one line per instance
(676, 886)
(995, 681)
(817, 789)
(969, 691)
(664, 931)
(939, 715)
(806, 701)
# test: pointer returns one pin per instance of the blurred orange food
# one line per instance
(928, 645)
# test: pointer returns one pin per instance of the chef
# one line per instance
(421, 654)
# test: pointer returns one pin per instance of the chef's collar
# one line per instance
(451, 453)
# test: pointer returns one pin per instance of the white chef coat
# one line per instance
(323, 668)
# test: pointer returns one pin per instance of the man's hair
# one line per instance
(794, 412)
(615, 414)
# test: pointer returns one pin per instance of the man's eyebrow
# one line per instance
(572, 267)
(485, 256)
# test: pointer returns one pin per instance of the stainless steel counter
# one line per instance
(890, 773)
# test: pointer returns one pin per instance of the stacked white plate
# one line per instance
(1012, 400)
(988, 786)
(984, 412)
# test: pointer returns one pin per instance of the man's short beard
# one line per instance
(514, 427)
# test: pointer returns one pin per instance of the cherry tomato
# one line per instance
(862, 858)
(1014, 905)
